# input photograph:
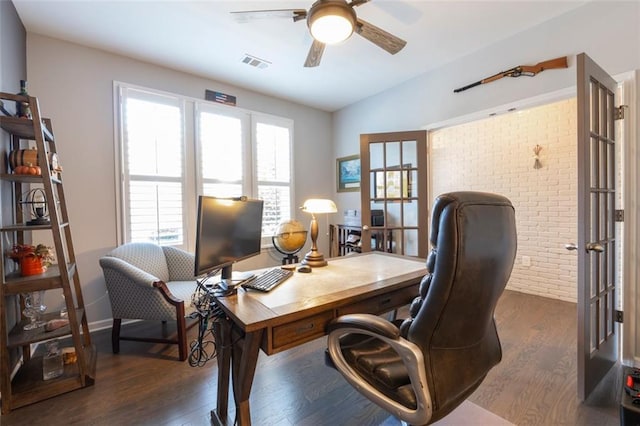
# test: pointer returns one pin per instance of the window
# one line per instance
(235, 153)
(153, 166)
(247, 154)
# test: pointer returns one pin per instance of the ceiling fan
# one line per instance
(330, 22)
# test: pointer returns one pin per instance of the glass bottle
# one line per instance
(23, 110)
(52, 365)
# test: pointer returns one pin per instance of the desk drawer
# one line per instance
(300, 331)
(381, 304)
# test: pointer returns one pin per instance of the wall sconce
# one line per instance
(316, 206)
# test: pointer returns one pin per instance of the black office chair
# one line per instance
(422, 368)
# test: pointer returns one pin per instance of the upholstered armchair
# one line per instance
(146, 281)
(421, 368)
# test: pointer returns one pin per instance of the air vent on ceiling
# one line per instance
(255, 62)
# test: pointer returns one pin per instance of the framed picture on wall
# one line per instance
(348, 173)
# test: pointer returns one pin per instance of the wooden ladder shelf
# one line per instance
(16, 345)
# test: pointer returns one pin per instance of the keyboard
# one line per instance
(268, 280)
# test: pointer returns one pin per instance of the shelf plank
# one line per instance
(30, 179)
(23, 127)
(29, 387)
(19, 337)
(51, 279)
(24, 227)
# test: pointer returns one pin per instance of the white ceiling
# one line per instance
(202, 38)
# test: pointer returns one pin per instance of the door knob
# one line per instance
(365, 228)
(590, 247)
(595, 247)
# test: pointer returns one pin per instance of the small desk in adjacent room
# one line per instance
(299, 310)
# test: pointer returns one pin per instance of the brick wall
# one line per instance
(496, 155)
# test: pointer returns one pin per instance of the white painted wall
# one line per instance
(607, 31)
(496, 155)
(429, 98)
(74, 85)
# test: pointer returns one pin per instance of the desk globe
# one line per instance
(289, 240)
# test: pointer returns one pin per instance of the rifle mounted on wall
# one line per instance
(526, 70)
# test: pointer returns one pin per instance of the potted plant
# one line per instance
(33, 259)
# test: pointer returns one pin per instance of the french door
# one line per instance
(598, 338)
(394, 192)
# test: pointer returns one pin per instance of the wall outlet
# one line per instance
(526, 261)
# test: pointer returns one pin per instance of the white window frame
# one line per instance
(192, 180)
(250, 121)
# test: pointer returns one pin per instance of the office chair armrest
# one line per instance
(376, 325)
(128, 271)
(409, 352)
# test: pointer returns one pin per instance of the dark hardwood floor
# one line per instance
(535, 384)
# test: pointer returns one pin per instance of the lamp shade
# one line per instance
(319, 205)
(331, 22)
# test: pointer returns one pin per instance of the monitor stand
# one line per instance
(230, 279)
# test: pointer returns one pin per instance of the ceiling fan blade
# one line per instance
(355, 3)
(249, 15)
(380, 37)
(315, 54)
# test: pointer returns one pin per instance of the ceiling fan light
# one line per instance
(331, 24)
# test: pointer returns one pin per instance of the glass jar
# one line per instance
(52, 365)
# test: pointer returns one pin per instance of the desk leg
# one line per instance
(244, 358)
(222, 333)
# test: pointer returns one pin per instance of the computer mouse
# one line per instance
(304, 269)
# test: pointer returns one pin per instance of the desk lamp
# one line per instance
(316, 206)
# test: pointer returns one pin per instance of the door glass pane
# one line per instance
(602, 112)
(594, 120)
(413, 184)
(593, 230)
(602, 218)
(380, 240)
(410, 211)
(397, 241)
(604, 271)
(376, 156)
(411, 242)
(593, 155)
(394, 216)
(377, 214)
(410, 153)
(610, 312)
(393, 155)
(593, 315)
(603, 172)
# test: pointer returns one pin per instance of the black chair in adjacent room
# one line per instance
(421, 368)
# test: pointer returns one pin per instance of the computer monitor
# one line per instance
(228, 230)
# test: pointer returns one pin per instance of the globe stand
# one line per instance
(289, 259)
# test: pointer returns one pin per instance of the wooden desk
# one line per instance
(298, 311)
